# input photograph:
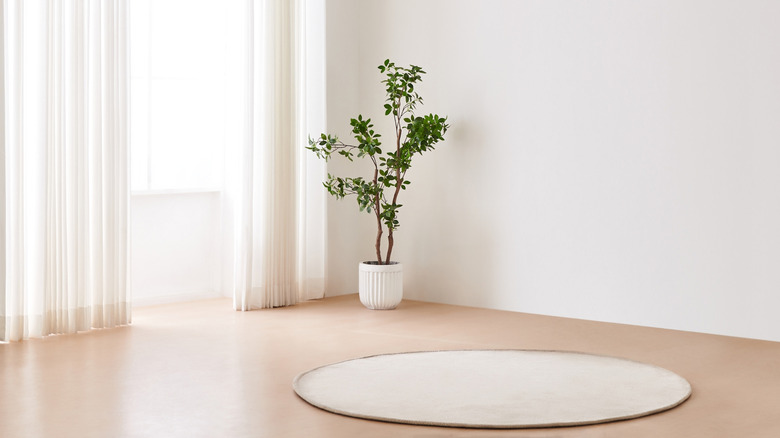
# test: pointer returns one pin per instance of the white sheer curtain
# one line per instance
(274, 199)
(64, 251)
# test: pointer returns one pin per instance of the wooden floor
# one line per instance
(200, 369)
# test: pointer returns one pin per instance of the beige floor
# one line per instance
(201, 369)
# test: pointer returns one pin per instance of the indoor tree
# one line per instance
(413, 135)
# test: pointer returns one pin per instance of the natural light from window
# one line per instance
(180, 93)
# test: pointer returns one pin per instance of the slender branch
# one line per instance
(406, 107)
(342, 145)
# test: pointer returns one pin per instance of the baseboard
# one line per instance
(175, 298)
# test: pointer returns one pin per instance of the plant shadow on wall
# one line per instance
(381, 280)
(457, 261)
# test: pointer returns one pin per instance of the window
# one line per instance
(180, 90)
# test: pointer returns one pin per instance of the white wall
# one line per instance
(174, 239)
(2, 146)
(615, 161)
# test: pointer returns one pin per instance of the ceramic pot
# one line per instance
(381, 287)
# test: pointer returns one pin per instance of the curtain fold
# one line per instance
(65, 155)
(274, 200)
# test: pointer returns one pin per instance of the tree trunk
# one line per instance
(389, 245)
(378, 244)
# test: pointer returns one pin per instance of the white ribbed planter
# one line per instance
(381, 287)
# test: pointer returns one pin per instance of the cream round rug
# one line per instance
(492, 388)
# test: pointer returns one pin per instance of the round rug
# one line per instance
(501, 389)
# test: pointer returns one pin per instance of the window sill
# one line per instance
(174, 191)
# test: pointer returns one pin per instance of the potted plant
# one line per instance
(381, 280)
